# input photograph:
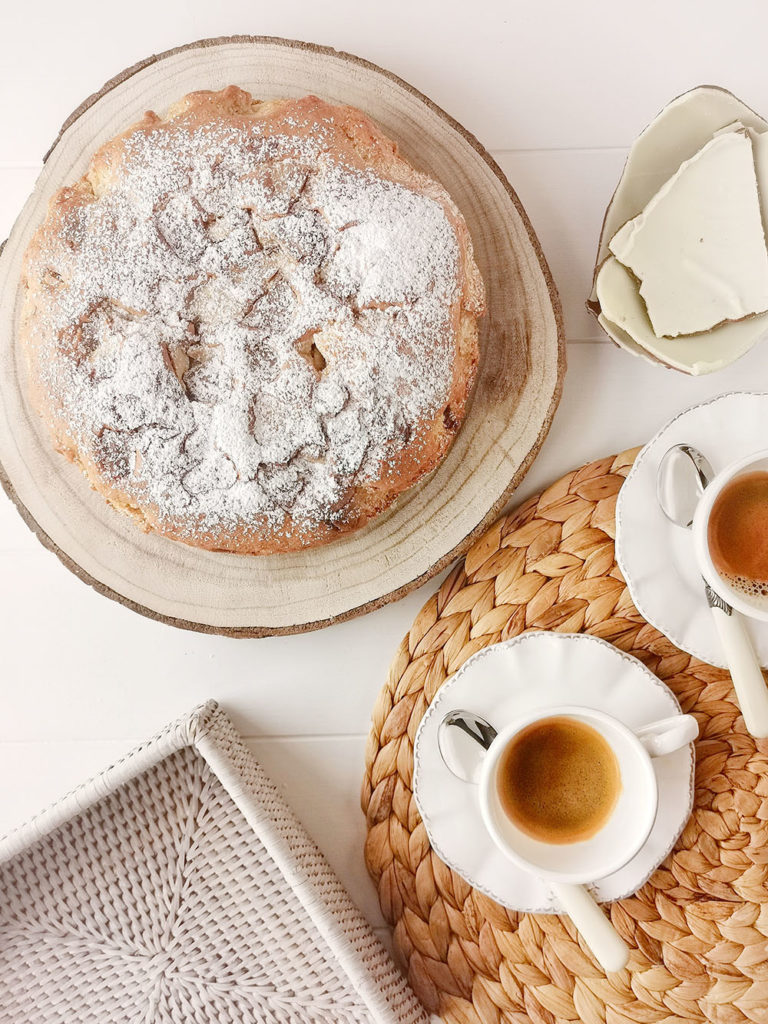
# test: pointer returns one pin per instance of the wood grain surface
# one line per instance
(522, 367)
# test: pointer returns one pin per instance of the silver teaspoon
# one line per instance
(683, 474)
(463, 738)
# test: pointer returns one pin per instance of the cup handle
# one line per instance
(668, 734)
(463, 739)
(611, 951)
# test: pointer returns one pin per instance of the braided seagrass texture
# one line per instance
(699, 928)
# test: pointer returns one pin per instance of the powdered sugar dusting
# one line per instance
(241, 328)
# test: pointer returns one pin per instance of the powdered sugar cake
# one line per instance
(252, 324)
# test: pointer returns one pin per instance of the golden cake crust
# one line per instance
(163, 291)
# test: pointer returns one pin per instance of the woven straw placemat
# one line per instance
(698, 929)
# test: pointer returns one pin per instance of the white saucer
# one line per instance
(540, 670)
(656, 557)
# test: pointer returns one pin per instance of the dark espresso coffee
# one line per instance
(737, 533)
(558, 780)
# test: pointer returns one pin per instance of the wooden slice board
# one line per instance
(522, 367)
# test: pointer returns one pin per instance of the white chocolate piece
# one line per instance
(675, 135)
(698, 248)
(624, 318)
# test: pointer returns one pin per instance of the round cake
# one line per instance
(252, 324)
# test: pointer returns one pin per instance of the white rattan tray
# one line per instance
(178, 887)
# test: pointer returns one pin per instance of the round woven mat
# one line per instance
(699, 928)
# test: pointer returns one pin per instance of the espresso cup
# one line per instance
(752, 605)
(569, 866)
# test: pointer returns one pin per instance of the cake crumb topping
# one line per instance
(241, 327)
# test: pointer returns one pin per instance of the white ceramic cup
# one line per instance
(753, 607)
(568, 867)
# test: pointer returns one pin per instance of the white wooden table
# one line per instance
(557, 91)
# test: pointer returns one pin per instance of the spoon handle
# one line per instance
(748, 681)
(611, 951)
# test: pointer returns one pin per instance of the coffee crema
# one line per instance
(737, 533)
(558, 780)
